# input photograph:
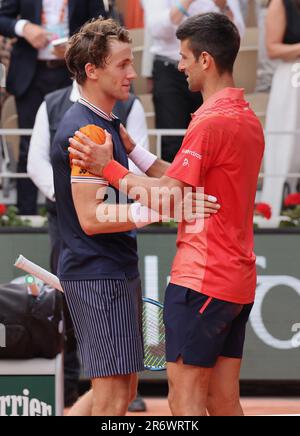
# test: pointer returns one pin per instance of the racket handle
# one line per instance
(42, 274)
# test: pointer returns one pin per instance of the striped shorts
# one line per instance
(107, 318)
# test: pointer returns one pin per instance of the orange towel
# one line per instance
(97, 135)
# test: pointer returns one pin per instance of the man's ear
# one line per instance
(91, 71)
(206, 60)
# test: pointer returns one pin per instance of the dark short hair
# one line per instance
(92, 45)
(215, 34)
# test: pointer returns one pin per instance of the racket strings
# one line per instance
(154, 336)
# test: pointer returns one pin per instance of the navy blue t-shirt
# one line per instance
(83, 257)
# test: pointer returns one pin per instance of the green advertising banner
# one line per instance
(31, 387)
(27, 395)
(273, 340)
(272, 350)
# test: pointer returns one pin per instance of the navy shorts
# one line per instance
(200, 329)
(107, 318)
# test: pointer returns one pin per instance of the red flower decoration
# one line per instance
(3, 209)
(263, 209)
(292, 200)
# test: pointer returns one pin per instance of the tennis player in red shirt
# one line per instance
(213, 279)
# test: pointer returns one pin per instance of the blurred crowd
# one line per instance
(36, 68)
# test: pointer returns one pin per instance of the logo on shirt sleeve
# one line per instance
(192, 154)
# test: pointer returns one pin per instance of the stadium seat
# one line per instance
(137, 36)
(259, 103)
(245, 72)
(251, 18)
(13, 142)
(8, 109)
(140, 84)
(251, 37)
(147, 102)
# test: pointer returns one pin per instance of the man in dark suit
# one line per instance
(36, 70)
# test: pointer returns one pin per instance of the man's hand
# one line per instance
(208, 205)
(127, 140)
(36, 36)
(89, 155)
(197, 205)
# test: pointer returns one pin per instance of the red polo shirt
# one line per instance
(222, 152)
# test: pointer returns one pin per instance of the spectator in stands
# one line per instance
(49, 115)
(282, 155)
(35, 70)
(266, 66)
(172, 100)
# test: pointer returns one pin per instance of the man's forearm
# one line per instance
(9, 12)
(286, 52)
(153, 193)
(158, 169)
(145, 190)
(139, 188)
(117, 218)
(148, 162)
(7, 26)
(108, 218)
(96, 216)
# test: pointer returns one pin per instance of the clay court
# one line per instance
(252, 407)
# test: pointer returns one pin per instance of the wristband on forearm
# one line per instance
(142, 158)
(114, 173)
(20, 26)
(142, 216)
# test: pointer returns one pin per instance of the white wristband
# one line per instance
(142, 216)
(142, 158)
(19, 27)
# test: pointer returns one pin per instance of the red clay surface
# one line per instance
(252, 407)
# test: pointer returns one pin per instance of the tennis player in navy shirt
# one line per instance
(98, 266)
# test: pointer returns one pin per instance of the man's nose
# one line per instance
(132, 74)
(181, 67)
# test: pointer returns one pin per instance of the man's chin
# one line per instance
(194, 88)
(190, 86)
(124, 96)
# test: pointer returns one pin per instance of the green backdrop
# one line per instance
(273, 340)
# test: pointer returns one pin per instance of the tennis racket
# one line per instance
(153, 325)
(154, 335)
